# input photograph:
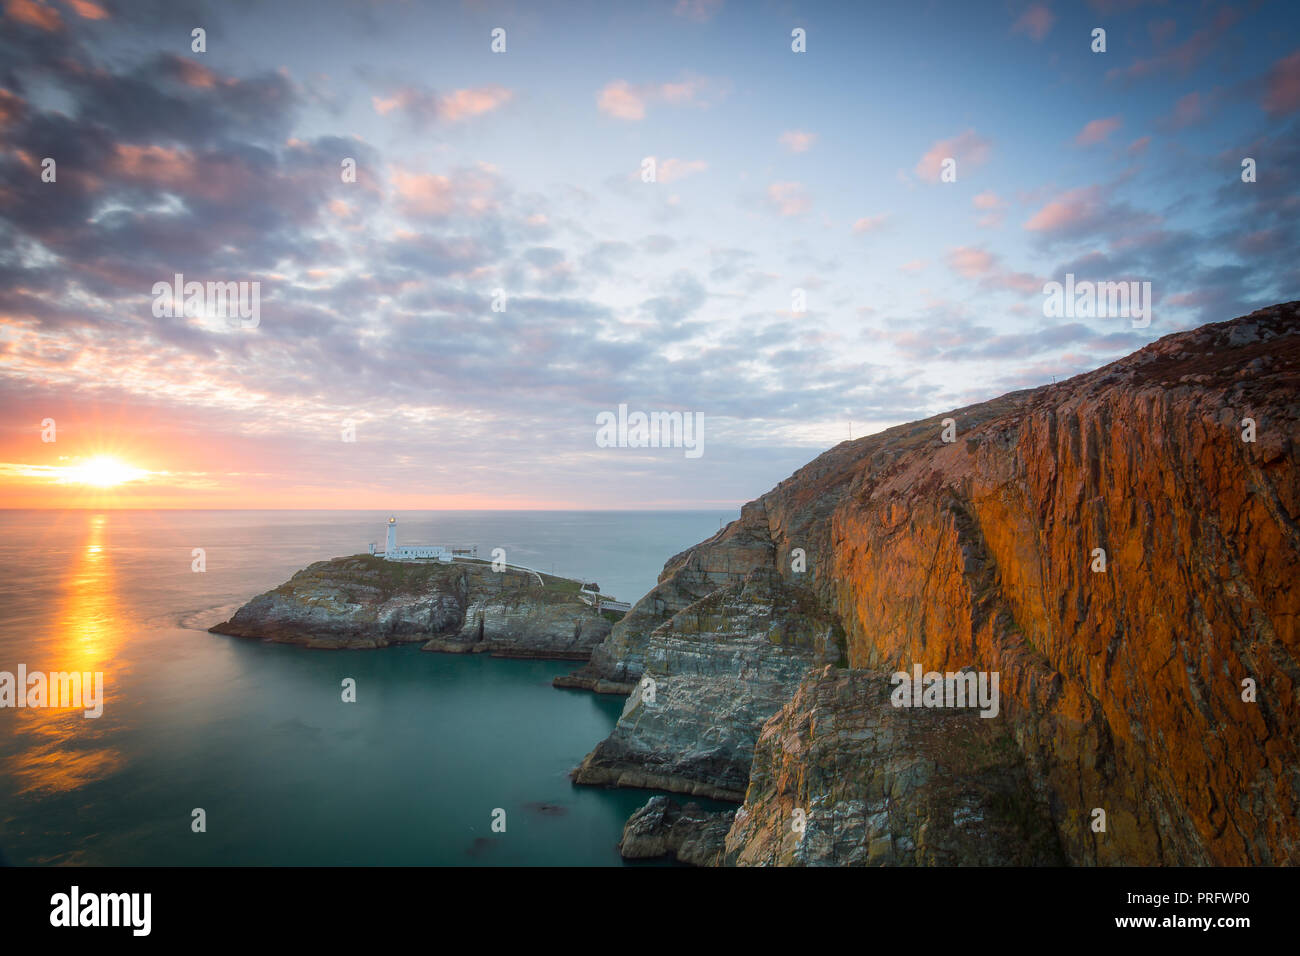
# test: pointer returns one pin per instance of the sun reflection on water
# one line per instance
(64, 751)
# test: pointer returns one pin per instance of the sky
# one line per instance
(445, 328)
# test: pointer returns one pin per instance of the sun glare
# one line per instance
(102, 472)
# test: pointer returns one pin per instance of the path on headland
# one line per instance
(595, 599)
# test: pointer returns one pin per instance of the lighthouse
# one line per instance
(414, 552)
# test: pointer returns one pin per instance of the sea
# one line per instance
(217, 751)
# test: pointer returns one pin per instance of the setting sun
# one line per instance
(102, 471)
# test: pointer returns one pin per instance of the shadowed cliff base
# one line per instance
(1121, 548)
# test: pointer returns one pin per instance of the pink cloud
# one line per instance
(967, 148)
(1187, 110)
(1097, 130)
(455, 106)
(34, 15)
(1283, 95)
(473, 102)
(195, 74)
(1139, 146)
(992, 205)
(1034, 22)
(970, 262)
(87, 10)
(1186, 55)
(869, 223)
(974, 263)
(789, 198)
(668, 170)
(467, 192)
(619, 100)
(625, 101)
(1072, 208)
(701, 11)
(424, 194)
(797, 141)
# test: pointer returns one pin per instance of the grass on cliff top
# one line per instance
(393, 577)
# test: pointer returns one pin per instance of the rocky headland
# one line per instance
(1121, 548)
(364, 601)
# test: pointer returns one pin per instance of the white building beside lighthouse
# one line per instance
(435, 552)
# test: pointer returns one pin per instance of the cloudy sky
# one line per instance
(522, 171)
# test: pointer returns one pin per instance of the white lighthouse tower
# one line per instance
(390, 548)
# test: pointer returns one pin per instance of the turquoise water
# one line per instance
(257, 735)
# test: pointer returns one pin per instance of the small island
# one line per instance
(451, 603)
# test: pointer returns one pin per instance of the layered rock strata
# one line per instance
(1122, 548)
(363, 601)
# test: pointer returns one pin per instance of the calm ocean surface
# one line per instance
(256, 734)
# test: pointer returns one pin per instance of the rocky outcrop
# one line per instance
(664, 828)
(710, 676)
(841, 777)
(1121, 548)
(461, 607)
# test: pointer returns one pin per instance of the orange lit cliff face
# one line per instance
(1161, 689)
(1125, 686)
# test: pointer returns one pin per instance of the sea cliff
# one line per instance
(1121, 548)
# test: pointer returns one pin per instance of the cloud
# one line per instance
(789, 198)
(991, 205)
(1186, 56)
(869, 223)
(625, 101)
(463, 104)
(467, 192)
(1035, 22)
(87, 10)
(968, 149)
(621, 101)
(971, 262)
(670, 170)
(1095, 131)
(701, 11)
(425, 106)
(1283, 93)
(1188, 111)
(798, 141)
(32, 14)
(1074, 212)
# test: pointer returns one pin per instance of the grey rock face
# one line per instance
(711, 675)
(879, 785)
(663, 827)
(364, 601)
